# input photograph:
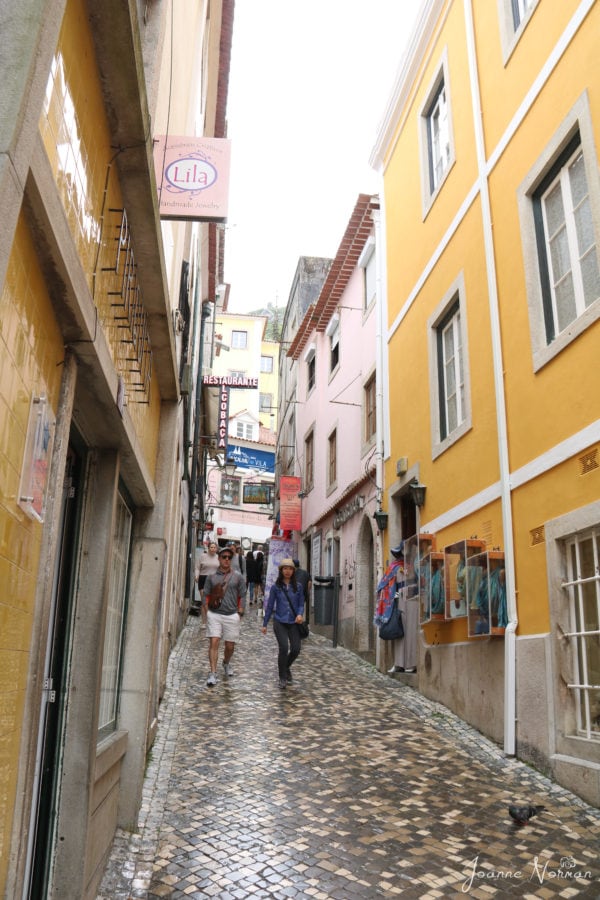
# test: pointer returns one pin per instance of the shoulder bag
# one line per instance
(302, 627)
(392, 630)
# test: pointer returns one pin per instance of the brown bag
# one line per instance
(217, 592)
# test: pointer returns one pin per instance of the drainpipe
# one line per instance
(510, 639)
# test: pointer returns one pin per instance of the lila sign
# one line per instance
(192, 175)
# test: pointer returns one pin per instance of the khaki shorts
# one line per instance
(226, 627)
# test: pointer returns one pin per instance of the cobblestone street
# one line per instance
(346, 785)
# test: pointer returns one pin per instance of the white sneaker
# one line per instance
(212, 679)
(227, 668)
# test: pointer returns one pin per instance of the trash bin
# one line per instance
(323, 597)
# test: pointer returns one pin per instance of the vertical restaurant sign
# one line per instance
(223, 426)
(290, 504)
(192, 175)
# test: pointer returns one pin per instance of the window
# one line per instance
(449, 373)
(566, 242)
(519, 10)
(244, 430)
(370, 409)
(437, 145)
(239, 340)
(311, 376)
(582, 593)
(266, 364)
(230, 490)
(332, 459)
(265, 403)
(560, 230)
(309, 461)
(333, 333)
(367, 263)
(115, 621)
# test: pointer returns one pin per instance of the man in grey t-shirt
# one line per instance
(223, 621)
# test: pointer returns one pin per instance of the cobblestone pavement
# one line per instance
(346, 785)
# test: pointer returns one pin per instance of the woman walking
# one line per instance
(286, 604)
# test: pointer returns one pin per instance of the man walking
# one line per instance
(225, 593)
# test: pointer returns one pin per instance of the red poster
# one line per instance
(290, 504)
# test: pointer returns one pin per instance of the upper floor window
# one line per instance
(566, 241)
(309, 461)
(560, 227)
(244, 430)
(449, 374)
(311, 368)
(266, 364)
(265, 403)
(333, 333)
(332, 459)
(239, 340)
(520, 9)
(367, 262)
(437, 145)
(370, 408)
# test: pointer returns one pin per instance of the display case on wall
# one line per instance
(431, 588)
(458, 587)
(416, 549)
(487, 594)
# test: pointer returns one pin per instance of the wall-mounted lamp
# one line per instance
(228, 467)
(417, 492)
(302, 494)
(381, 518)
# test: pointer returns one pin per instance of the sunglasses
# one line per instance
(226, 556)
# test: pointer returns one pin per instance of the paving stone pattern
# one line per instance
(347, 785)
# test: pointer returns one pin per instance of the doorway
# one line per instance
(49, 750)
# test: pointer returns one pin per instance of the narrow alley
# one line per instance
(346, 785)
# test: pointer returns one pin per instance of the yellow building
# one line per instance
(488, 157)
(94, 500)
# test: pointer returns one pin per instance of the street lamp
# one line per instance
(229, 467)
(381, 518)
(417, 492)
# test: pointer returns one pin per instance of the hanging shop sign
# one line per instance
(232, 381)
(36, 458)
(258, 493)
(348, 510)
(223, 423)
(192, 175)
(247, 458)
(290, 504)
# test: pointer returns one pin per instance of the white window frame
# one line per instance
(570, 738)
(439, 84)
(311, 365)
(368, 262)
(266, 364)
(114, 628)
(442, 439)
(236, 339)
(578, 121)
(513, 16)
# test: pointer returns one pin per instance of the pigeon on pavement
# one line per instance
(522, 814)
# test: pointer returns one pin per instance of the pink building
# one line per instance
(330, 408)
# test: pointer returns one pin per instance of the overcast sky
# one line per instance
(309, 83)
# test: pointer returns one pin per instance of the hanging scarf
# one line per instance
(386, 590)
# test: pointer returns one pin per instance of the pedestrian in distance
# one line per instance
(405, 648)
(303, 578)
(207, 563)
(250, 575)
(286, 604)
(259, 568)
(225, 593)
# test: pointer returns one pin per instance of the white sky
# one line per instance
(309, 84)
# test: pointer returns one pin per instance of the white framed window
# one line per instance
(449, 382)
(572, 543)
(436, 135)
(332, 460)
(244, 430)
(367, 263)
(333, 333)
(239, 340)
(265, 403)
(513, 16)
(370, 409)
(559, 210)
(311, 369)
(114, 628)
(266, 364)
(582, 595)
(309, 461)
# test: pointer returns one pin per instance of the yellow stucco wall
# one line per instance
(543, 408)
(31, 351)
(76, 137)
